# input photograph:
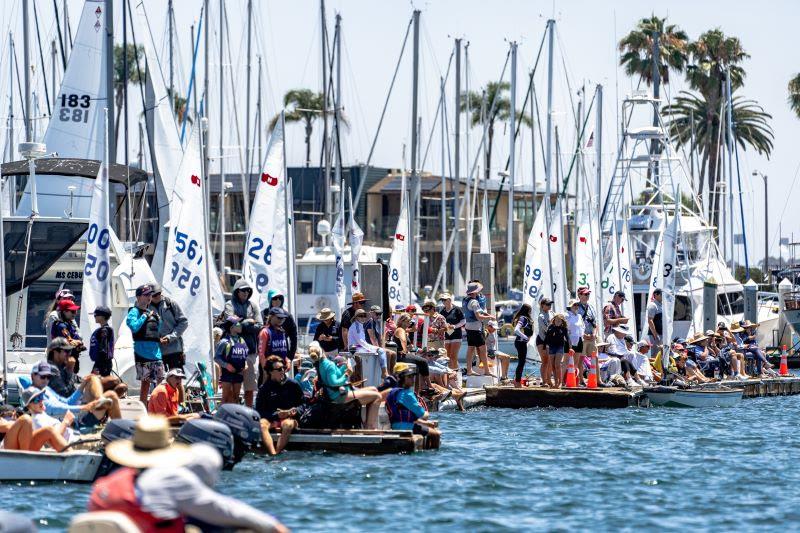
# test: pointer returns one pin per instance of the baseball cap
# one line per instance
(584, 290)
(64, 293)
(102, 310)
(546, 301)
(176, 372)
(156, 288)
(144, 290)
(42, 368)
(278, 312)
(67, 305)
(59, 343)
(30, 394)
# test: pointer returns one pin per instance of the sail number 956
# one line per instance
(74, 108)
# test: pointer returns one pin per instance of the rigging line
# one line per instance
(566, 77)
(578, 145)
(383, 114)
(60, 36)
(41, 59)
(436, 115)
(19, 87)
(192, 76)
(352, 82)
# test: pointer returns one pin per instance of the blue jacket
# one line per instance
(145, 349)
(403, 408)
(332, 377)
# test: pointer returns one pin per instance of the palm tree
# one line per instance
(302, 105)
(713, 55)
(136, 74)
(637, 49)
(500, 110)
(180, 108)
(794, 94)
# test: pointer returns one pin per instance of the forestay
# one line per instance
(77, 123)
(188, 269)
(265, 250)
(399, 263)
(356, 239)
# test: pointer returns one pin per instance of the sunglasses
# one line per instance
(278, 369)
(36, 400)
(43, 377)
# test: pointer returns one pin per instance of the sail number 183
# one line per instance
(74, 108)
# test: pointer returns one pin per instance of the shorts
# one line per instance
(476, 338)
(250, 375)
(231, 377)
(540, 342)
(152, 371)
(435, 344)
(491, 353)
(86, 420)
(102, 367)
(420, 430)
(578, 348)
(173, 360)
(589, 346)
(456, 336)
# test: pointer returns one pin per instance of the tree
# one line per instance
(637, 49)
(135, 75)
(180, 108)
(493, 92)
(794, 94)
(713, 55)
(302, 105)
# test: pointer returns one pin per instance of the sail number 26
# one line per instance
(74, 108)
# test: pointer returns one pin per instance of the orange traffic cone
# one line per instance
(571, 376)
(591, 383)
(784, 370)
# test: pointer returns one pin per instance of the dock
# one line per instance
(354, 441)
(603, 398)
(619, 398)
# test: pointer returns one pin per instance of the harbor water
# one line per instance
(658, 468)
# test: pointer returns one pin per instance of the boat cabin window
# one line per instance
(320, 279)
(40, 298)
(683, 309)
(731, 303)
(305, 279)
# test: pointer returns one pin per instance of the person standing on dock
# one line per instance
(66, 327)
(231, 355)
(173, 325)
(240, 306)
(523, 331)
(474, 307)
(455, 322)
(52, 315)
(542, 323)
(145, 324)
(101, 343)
(273, 340)
(590, 325)
(276, 299)
(575, 329)
(655, 321)
(612, 313)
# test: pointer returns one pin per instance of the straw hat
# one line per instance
(621, 328)
(445, 296)
(573, 301)
(358, 297)
(736, 328)
(697, 337)
(747, 324)
(325, 314)
(151, 446)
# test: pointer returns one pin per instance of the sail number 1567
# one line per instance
(74, 108)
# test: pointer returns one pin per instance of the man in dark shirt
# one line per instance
(277, 404)
(276, 299)
(63, 381)
(328, 333)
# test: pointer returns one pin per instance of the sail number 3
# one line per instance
(74, 108)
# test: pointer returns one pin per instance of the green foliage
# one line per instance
(794, 94)
(637, 49)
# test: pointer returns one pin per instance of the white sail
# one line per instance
(96, 288)
(588, 258)
(399, 261)
(165, 144)
(187, 270)
(663, 277)
(536, 282)
(77, 123)
(356, 239)
(486, 238)
(338, 239)
(625, 277)
(265, 265)
(557, 260)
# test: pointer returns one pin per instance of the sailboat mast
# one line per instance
(415, 181)
(26, 71)
(325, 149)
(247, 151)
(109, 20)
(10, 99)
(206, 230)
(548, 157)
(338, 101)
(125, 87)
(206, 93)
(443, 205)
(258, 113)
(467, 185)
(171, 56)
(457, 176)
(729, 142)
(511, 169)
(221, 206)
(598, 145)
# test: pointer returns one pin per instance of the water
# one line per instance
(721, 469)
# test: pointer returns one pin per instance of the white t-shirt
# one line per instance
(43, 420)
(616, 346)
(575, 327)
(355, 333)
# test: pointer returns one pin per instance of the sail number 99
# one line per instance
(74, 108)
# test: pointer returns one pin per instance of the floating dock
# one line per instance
(355, 441)
(618, 398)
(603, 398)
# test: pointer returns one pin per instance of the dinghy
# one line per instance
(73, 465)
(675, 397)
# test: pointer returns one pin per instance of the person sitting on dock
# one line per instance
(745, 332)
(475, 313)
(618, 349)
(17, 433)
(279, 403)
(406, 352)
(334, 381)
(698, 350)
(727, 345)
(328, 333)
(66, 393)
(723, 357)
(640, 360)
(231, 355)
(612, 313)
(165, 400)
(358, 303)
(687, 367)
(404, 410)
(242, 307)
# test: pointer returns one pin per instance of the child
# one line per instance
(101, 344)
(492, 351)
(557, 341)
(231, 356)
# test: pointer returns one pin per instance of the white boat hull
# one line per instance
(695, 398)
(78, 465)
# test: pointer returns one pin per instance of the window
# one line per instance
(683, 309)
(731, 303)
(305, 279)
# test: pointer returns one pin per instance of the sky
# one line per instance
(287, 39)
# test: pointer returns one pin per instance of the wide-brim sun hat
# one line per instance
(325, 314)
(474, 287)
(151, 446)
(697, 337)
(621, 329)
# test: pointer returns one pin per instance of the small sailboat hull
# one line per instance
(78, 466)
(673, 397)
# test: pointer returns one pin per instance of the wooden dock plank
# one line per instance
(604, 398)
